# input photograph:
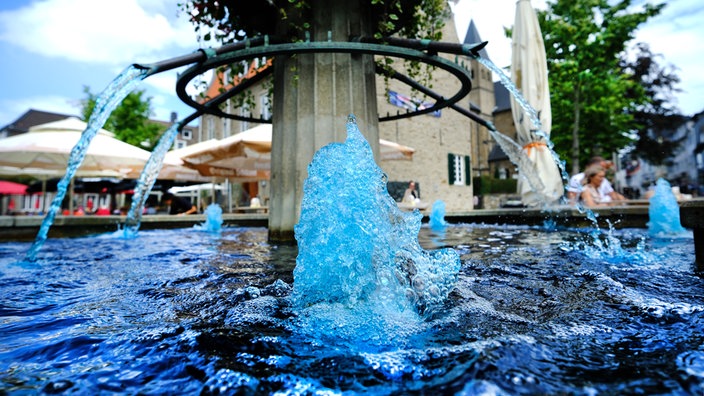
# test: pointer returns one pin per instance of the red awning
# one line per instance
(8, 187)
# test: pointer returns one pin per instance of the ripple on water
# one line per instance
(183, 311)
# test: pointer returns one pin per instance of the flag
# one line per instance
(409, 103)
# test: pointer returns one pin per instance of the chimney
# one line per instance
(174, 117)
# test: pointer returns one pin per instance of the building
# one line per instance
(450, 148)
(500, 166)
(685, 169)
(29, 119)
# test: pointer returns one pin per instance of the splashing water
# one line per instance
(437, 215)
(105, 103)
(664, 211)
(360, 271)
(213, 219)
(512, 149)
(147, 179)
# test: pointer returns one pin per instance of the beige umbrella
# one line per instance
(48, 147)
(529, 73)
(247, 155)
(45, 149)
(226, 158)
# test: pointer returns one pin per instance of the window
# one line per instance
(225, 127)
(179, 144)
(244, 112)
(265, 104)
(186, 134)
(459, 170)
(211, 128)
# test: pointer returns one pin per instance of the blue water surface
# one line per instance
(535, 310)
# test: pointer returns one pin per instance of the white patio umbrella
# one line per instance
(44, 152)
(247, 155)
(529, 73)
(48, 147)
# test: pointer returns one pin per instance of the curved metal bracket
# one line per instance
(253, 51)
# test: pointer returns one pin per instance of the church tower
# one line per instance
(482, 102)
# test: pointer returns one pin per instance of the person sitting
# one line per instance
(177, 205)
(591, 194)
(411, 195)
(574, 187)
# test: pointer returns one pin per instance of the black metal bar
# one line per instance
(210, 106)
(427, 45)
(415, 85)
(205, 53)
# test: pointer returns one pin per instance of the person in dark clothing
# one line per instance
(177, 205)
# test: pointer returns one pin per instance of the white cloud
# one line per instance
(105, 31)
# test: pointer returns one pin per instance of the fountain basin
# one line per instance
(536, 310)
(692, 216)
(25, 227)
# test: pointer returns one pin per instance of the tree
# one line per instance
(593, 99)
(657, 118)
(130, 120)
(228, 21)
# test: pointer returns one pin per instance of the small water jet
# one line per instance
(664, 211)
(213, 219)
(437, 215)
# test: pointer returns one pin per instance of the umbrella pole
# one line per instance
(229, 195)
(70, 198)
(212, 191)
(43, 194)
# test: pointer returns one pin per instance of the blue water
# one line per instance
(147, 178)
(437, 215)
(359, 256)
(213, 219)
(105, 103)
(664, 211)
(189, 312)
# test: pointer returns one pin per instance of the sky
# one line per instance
(51, 49)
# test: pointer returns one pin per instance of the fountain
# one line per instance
(359, 306)
(359, 255)
(437, 215)
(213, 219)
(505, 310)
(664, 212)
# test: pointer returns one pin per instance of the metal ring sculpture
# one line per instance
(262, 47)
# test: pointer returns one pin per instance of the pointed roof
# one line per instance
(472, 37)
(502, 97)
(29, 119)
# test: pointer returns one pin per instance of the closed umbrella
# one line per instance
(529, 73)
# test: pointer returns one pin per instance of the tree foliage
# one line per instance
(593, 98)
(234, 20)
(130, 119)
(658, 117)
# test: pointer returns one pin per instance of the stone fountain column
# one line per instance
(313, 95)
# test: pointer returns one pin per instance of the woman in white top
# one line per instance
(591, 195)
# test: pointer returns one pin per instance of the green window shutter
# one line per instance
(467, 171)
(451, 168)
